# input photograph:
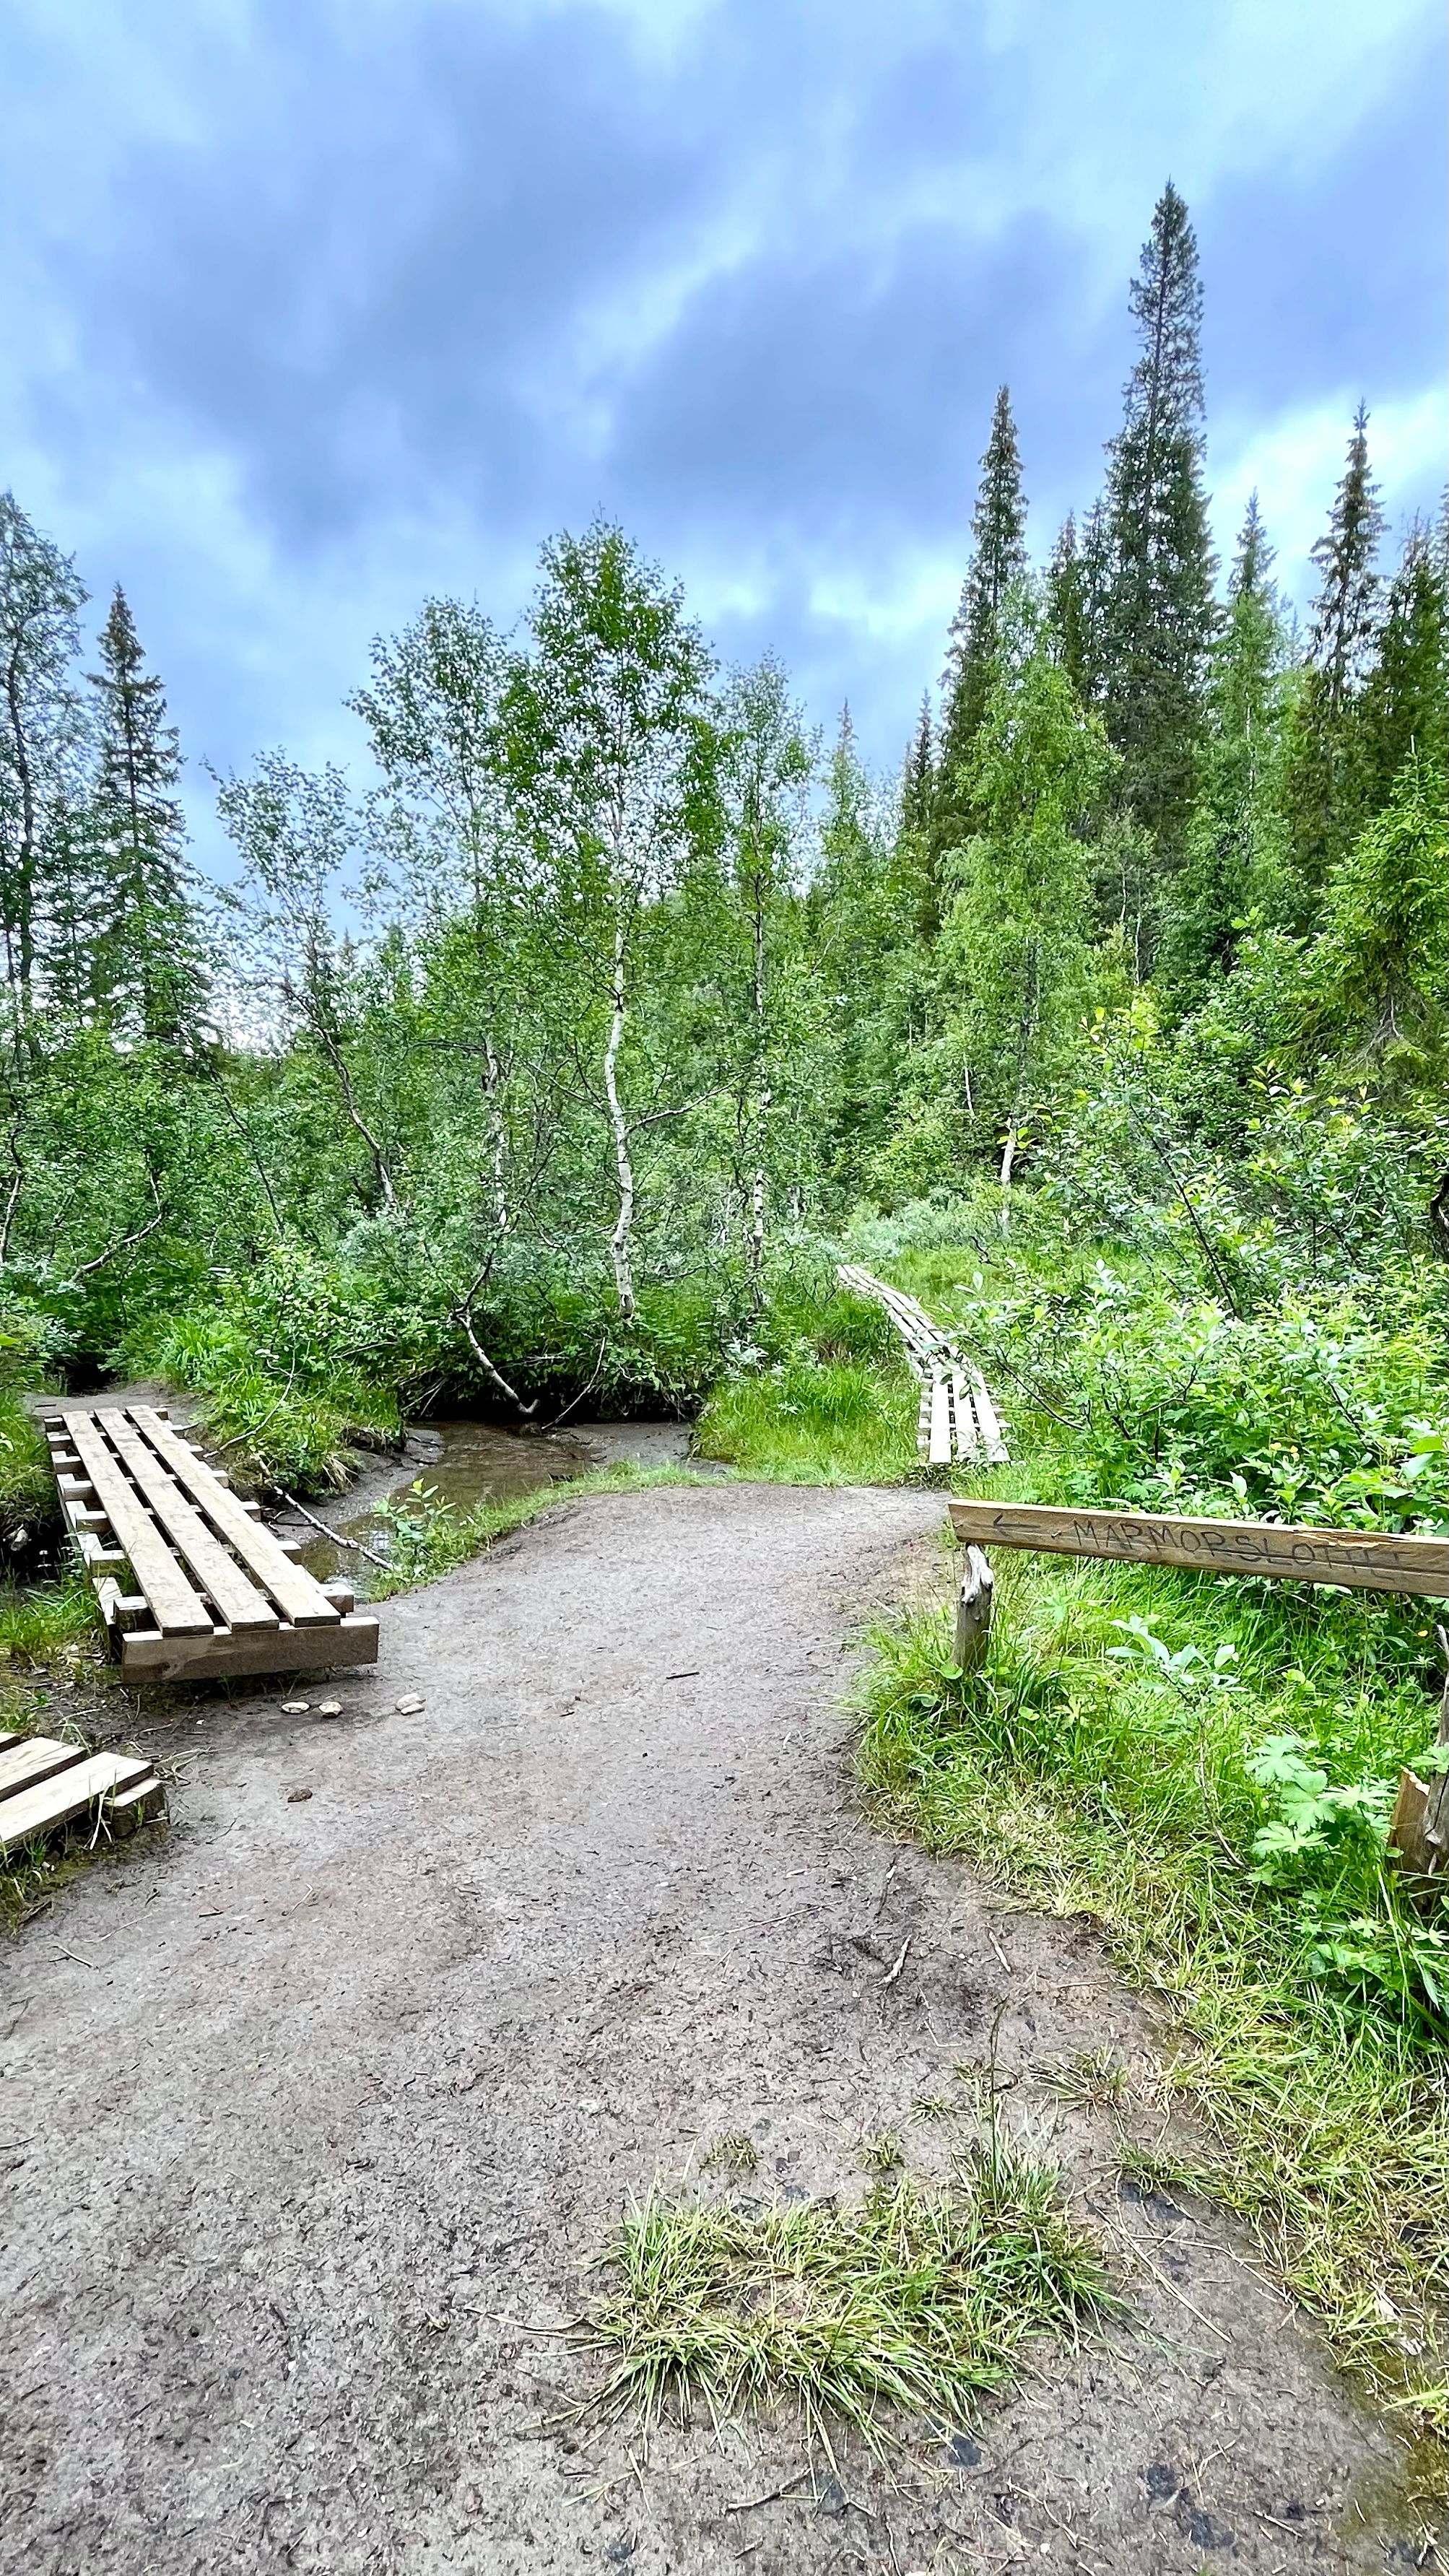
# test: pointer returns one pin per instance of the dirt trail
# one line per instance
(315, 2114)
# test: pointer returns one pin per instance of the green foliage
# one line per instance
(1222, 1816)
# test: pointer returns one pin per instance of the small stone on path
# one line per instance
(296, 1796)
(295, 1707)
(329, 1708)
(410, 1706)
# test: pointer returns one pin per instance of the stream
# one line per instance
(466, 1463)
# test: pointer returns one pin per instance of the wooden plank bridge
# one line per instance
(190, 1581)
(959, 1423)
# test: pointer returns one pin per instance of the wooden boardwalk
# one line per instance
(45, 1784)
(958, 1423)
(208, 1588)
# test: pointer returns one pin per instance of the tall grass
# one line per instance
(812, 1421)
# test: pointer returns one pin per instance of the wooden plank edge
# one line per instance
(148, 1656)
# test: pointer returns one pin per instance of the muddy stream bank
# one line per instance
(460, 1464)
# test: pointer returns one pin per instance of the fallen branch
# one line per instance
(336, 1536)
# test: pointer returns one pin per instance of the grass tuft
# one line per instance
(914, 2303)
(735, 2152)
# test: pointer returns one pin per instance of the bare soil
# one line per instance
(318, 2107)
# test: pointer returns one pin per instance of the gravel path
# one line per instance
(316, 2110)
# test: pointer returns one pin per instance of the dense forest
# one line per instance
(545, 1057)
(557, 1059)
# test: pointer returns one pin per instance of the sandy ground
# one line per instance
(317, 2108)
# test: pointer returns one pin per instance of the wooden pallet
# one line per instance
(45, 1784)
(958, 1422)
(208, 1588)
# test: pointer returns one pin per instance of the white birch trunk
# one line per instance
(621, 1241)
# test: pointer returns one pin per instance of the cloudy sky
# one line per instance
(313, 306)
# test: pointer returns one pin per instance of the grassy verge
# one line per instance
(1096, 1777)
(811, 1421)
(915, 2303)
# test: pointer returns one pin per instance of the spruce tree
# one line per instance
(1232, 849)
(149, 978)
(40, 741)
(1406, 696)
(997, 565)
(1329, 787)
(1068, 609)
(919, 778)
(1345, 618)
(1157, 614)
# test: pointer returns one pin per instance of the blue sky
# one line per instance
(313, 306)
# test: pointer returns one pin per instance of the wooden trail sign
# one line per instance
(1362, 1560)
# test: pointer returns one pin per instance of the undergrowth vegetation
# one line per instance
(1208, 1765)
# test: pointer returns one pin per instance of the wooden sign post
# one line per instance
(1363, 1560)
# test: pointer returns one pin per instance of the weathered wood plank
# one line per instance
(940, 1424)
(174, 1604)
(237, 1599)
(147, 1656)
(25, 1760)
(965, 1418)
(301, 1600)
(69, 1794)
(1360, 1560)
(992, 1438)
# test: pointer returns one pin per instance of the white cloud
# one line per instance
(1295, 463)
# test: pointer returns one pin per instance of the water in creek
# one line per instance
(467, 1463)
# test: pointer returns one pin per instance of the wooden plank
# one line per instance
(992, 1438)
(147, 1656)
(174, 1605)
(940, 1424)
(237, 1599)
(966, 1439)
(136, 1806)
(25, 1760)
(1359, 1560)
(301, 1601)
(58, 1801)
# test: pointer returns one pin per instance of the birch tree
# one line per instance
(767, 766)
(611, 769)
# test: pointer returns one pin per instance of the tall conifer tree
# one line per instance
(919, 777)
(1406, 697)
(997, 565)
(1067, 609)
(148, 972)
(1157, 613)
(40, 742)
(1329, 791)
(1345, 618)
